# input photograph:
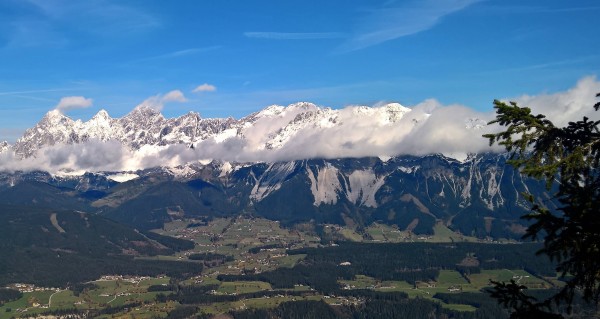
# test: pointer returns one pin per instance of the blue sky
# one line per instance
(251, 54)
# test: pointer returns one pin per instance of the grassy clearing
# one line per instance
(31, 301)
(458, 307)
(450, 278)
(443, 234)
(241, 287)
(388, 233)
(483, 279)
(351, 235)
(290, 260)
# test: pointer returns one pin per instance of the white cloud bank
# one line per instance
(73, 102)
(563, 107)
(426, 128)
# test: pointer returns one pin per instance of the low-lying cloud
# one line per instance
(305, 131)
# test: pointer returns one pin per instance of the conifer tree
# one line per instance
(567, 158)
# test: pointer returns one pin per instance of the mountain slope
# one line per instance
(480, 196)
(56, 247)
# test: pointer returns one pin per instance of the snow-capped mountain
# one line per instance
(142, 126)
(331, 166)
(288, 129)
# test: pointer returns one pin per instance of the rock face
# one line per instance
(480, 196)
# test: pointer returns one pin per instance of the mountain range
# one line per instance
(476, 194)
(276, 133)
(145, 126)
(480, 196)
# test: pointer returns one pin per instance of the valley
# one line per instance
(241, 258)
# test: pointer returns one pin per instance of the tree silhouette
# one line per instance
(567, 158)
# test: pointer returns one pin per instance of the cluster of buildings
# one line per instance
(30, 288)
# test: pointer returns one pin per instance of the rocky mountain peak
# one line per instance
(102, 115)
(55, 117)
(4, 146)
(273, 129)
(143, 111)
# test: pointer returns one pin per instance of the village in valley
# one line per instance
(240, 246)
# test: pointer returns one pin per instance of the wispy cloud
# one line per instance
(552, 64)
(34, 91)
(102, 16)
(52, 23)
(390, 23)
(294, 35)
(33, 98)
(525, 8)
(180, 53)
(205, 88)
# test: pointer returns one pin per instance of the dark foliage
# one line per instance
(291, 310)
(176, 244)
(321, 268)
(61, 248)
(154, 288)
(182, 312)
(370, 309)
(322, 276)
(568, 157)
(79, 288)
(7, 295)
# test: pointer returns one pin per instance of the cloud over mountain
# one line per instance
(158, 101)
(144, 138)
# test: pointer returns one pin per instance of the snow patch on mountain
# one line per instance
(122, 177)
(226, 168)
(408, 169)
